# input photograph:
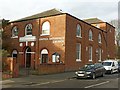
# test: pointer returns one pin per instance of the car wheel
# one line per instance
(77, 77)
(111, 72)
(102, 75)
(93, 76)
(119, 70)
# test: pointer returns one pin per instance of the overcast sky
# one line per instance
(103, 9)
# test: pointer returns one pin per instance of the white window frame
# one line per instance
(90, 35)
(14, 52)
(45, 27)
(110, 30)
(44, 51)
(78, 50)
(99, 38)
(90, 51)
(28, 25)
(99, 54)
(13, 34)
(78, 29)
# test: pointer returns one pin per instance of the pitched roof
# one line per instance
(93, 20)
(42, 14)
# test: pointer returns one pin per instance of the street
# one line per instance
(64, 80)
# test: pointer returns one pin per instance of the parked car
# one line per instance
(118, 66)
(111, 66)
(91, 71)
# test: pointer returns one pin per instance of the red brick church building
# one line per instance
(54, 41)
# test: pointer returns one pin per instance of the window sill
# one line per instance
(78, 36)
(28, 35)
(78, 60)
(44, 35)
(90, 61)
(15, 37)
(90, 40)
(99, 60)
(52, 64)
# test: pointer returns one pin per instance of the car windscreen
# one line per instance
(87, 67)
(119, 63)
(107, 63)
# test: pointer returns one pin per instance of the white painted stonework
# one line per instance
(32, 43)
(21, 44)
(27, 38)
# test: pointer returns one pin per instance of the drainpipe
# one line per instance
(38, 42)
(37, 45)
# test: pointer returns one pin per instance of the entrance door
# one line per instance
(28, 57)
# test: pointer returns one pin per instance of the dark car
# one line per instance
(91, 71)
(118, 66)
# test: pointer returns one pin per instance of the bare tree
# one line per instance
(116, 23)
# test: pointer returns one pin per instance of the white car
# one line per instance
(111, 66)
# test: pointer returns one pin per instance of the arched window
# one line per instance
(28, 29)
(14, 53)
(56, 57)
(46, 28)
(99, 38)
(90, 35)
(14, 31)
(78, 31)
(44, 56)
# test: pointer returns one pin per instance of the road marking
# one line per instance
(46, 83)
(87, 79)
(97, 84)
(57, 81)
(39, 84)
(6, 82)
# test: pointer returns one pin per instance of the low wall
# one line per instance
(10, 68)
(51, 68)
(6, 63)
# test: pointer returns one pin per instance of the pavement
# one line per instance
(62, 80)
(32, 79)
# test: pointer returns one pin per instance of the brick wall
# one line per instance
(11, 69)
(63, 26)
(110, 41)
(71, 40)
(51, 68)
